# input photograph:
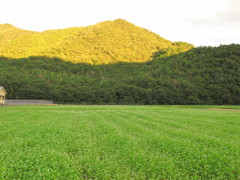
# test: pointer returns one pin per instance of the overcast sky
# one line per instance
(200, 22)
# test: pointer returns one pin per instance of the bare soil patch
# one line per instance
(219, 109)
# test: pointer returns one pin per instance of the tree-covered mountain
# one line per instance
(115, 62)
(104, 43)
(203, 75)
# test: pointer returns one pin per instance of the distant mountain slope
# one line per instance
(103, 43)
(204, 75)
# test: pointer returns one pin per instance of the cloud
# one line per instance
(219, 27)
(235, 4)
(229, 19)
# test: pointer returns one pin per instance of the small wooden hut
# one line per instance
(3, 93)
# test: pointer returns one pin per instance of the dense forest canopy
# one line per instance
(103, 43)
(203, 75)
(115, 62)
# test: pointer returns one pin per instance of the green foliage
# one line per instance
(204, 75)
(34, 66)
(118, 142)
(103, 43)
(177, 48)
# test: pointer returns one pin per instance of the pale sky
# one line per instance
(200, 22)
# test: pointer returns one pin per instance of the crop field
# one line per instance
(119, 142)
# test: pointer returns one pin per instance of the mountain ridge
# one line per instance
(103, 43)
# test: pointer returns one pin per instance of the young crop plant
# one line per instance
(119, 142)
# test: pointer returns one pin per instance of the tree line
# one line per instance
(203, 75)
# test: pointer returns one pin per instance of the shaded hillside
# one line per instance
(104, 43)
(204, 75)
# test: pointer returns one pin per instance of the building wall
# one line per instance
(2, 97)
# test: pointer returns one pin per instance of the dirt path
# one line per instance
(218, 109)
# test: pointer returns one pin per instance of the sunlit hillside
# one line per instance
(33, 66)
(103, 43)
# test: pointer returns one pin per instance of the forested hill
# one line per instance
(204, 75)
(104, 43)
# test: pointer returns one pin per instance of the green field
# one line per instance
(119, 142)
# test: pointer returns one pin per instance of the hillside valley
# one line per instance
(203, 75)
(115, 62)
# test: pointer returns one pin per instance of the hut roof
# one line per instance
(2, 88)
